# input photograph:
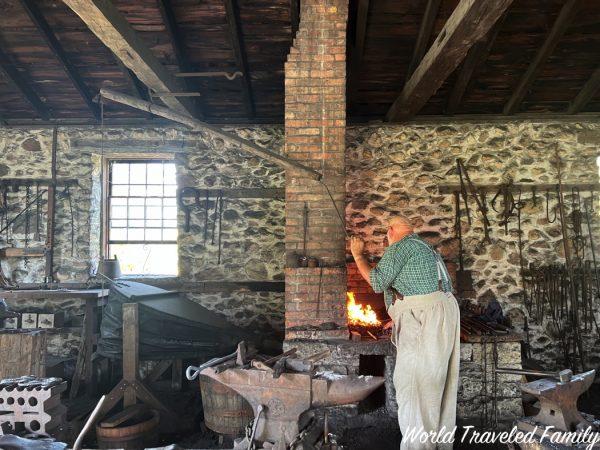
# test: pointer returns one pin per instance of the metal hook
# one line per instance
(548, 208)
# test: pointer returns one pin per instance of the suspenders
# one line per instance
(441, 268)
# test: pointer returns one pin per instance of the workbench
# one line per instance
(74, 302)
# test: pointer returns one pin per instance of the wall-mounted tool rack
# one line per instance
(523, 187)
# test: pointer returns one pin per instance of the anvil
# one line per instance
(284, 399)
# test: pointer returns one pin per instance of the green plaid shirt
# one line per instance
(409, 267)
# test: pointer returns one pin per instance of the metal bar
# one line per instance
(195, 124)
(524, 187)
(50, 225)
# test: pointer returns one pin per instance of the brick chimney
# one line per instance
(315, 125)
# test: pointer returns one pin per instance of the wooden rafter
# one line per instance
(562, 22)
(170, 22)
(470, 21)
(22, 83)
(358, 49)
(195, 124)
(425, 33)
(477, 55)
(112, 28)
(237, 42)
(56, 47)
(586, 93)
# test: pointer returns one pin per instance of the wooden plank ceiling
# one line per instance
(542, 56)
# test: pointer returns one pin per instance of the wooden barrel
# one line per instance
(135, 434)
(225, 411)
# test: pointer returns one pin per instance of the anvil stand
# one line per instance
(131, 388)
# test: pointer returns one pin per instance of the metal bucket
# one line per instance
(134, 434)
(225, 411)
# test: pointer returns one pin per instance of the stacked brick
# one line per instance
(315, 126)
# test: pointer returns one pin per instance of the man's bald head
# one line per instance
(398, 227)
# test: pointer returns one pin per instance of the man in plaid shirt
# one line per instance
(426, 332)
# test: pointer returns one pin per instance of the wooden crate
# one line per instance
(22, 353)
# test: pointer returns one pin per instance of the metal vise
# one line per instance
(279, 402)
(558, 399)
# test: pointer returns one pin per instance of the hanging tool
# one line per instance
(27, 217)
(221, 201)
(38, 212)
(463, 190)
(508, 205)
(206, 208)
(479, 197)
(548, 208)
(214, 220)
(304, 228)
(576, 221)
(23, 211)
(186, 207)
(464, 278)
(66, 194)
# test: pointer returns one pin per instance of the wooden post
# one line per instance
(50, 225)
(131, 344)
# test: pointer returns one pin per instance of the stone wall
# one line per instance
(252, 229)
(397, 169)
(390, 169)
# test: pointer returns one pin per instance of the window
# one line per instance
(142, 216)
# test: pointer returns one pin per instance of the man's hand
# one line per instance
(357, 246)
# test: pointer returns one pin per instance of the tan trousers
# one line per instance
(427, 336)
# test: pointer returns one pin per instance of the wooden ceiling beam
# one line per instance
(22, 83)
(237, 42)
(586, 93)
(562, 22)
(112, 28)
(425, 34)
(170, 22)
(470, 21)
(57, 49)
(476, 56)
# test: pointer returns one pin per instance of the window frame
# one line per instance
(106, 195)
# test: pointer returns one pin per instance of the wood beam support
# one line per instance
(586, 94)
(112, 28)
(170, 21)
(21, 82)
(477, 55)
(562, 22)
(237, 42)
(243, 144)
(425, 33)
(469, 23)
(57, 49)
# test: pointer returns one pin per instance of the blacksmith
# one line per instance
(426, 331)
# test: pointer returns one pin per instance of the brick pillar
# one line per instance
(315, 125)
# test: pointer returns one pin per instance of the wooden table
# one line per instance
(94, 300)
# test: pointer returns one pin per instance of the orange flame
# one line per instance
(360, 314)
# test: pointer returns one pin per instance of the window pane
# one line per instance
(170, 234)
(154, 212)
(170, 177)
(154, 223)
(115, 223)
(135, 234)
(155, 174)
(120, 190)
(137, 190)
(170, 212)
(133, 201)
(118, 212)
(170, 201)
(170, 223)
(121, 201)
(118, 234)
(170, 190)
(137, 173)
(136, 224)
(155, 190)
(136, 212)
(153, 234)
(146, 259)
(120, 173)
